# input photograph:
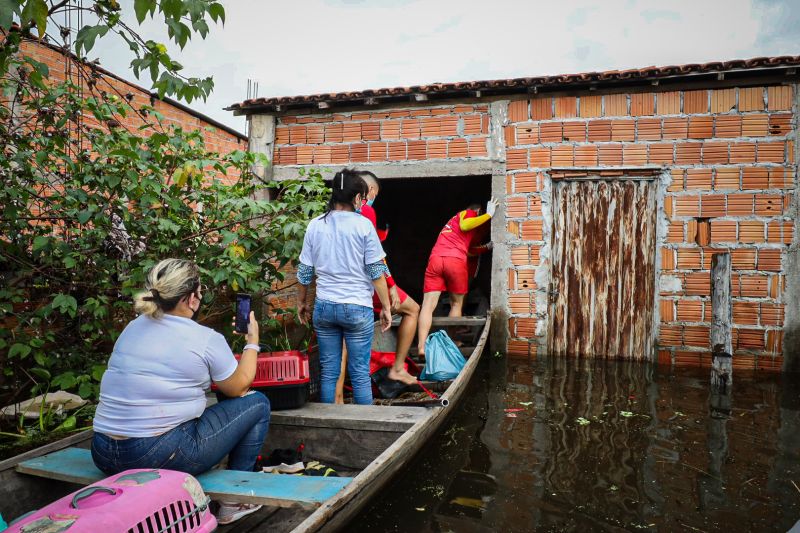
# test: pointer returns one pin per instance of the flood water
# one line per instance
(603, 446)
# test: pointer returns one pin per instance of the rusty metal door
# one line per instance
(602, 287)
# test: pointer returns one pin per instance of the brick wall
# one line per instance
(730, 156)
(448, 132)
(216, 139)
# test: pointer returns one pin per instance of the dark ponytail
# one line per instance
(346, 185)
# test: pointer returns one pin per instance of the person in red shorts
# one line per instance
(448, 267)
(402, 303)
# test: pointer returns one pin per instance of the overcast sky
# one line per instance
(311, 46)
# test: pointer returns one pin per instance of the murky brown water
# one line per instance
(604, 447)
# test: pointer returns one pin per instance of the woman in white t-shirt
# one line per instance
(342, 249)
(152, 411)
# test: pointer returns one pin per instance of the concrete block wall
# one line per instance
(729, 165)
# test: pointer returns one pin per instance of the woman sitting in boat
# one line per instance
(152, 411)
(343, 250)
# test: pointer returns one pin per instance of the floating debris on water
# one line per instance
(582, 421)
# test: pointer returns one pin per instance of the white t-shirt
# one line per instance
(339, 247)
(158, 374)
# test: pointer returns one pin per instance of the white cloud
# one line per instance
(310, 46)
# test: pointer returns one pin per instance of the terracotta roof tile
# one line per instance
(512, 85)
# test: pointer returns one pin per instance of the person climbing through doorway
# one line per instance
(447, 268)
(401, 302)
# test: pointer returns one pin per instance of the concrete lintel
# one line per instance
(405, 169)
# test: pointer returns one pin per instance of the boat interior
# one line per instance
(365, 445)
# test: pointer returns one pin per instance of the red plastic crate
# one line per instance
(283, 377)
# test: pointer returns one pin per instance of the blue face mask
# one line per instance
(370, 202)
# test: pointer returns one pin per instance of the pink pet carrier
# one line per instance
(135, 501)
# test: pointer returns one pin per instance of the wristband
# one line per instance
(255, 347)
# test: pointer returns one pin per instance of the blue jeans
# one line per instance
(237, 426)
(332, 322)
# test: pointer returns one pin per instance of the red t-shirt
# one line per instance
(453, 242)
(369, 212)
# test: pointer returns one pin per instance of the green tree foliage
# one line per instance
(88, 205)
(183, 19)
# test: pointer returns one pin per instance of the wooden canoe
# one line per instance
(369, 444)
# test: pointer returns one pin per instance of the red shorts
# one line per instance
(376, 302)
(446, 274)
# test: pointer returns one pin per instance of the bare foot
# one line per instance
(402, 376)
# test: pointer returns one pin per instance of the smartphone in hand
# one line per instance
(242, 313)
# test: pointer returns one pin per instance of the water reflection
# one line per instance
(596, 446)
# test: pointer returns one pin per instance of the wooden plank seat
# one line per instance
(349, 416)
(75, 465)
(473, 321)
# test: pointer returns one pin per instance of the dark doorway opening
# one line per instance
(416, 210)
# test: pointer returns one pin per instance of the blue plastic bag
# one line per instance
(443, 359)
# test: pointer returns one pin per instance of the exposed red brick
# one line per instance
(586, 156)
(417, 149)
(610, 154)
(668, 103)
(599, 130)
(667, 310)
(551, 132)
(754, 286)
(768, 204)
(526, 182)
(437, 149)
(397, 151)
(769, 259)
(751, 99)
(695, 102)
(712, 205)
(699, 179)
(701, 127)
(688, 258)
(351, 131)
(527, 134)
(390, 129)
(688, 153)
(745, 313)
(743, 259)
(670, 336)
(698, 284)
(518, 111)
(566, 106)
(333, 133)
(728, 126)
(772, 314)
(281, 135)
(752, 339)
(661, 153)
(540, 157)
(322, 155)
(690, 310)
(563, 156)
(305, 155)
(755, 125)
(574, 131)
(687, 206)
(477, 148)
(740, 204)
(410, 129)
(676, 128)
(297, 134)
(780, 124)
(616, 105)
(668, 258)
(771, 152)
(516, 207)
(634, 154)
(531, 230)
(715, 152)
(622, 130)
(519, 303)
(648, 129)
(520, 256)
(359, 152)
(723, 100)
(591, 106)
(459, 148)
(723, 230)
(542, 108)
(515, 159)
(699, 336)
(780, 98)
(315, 134)
(340, 154)
(472, 124)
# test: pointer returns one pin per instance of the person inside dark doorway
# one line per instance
(402, 303)
(447, 268)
